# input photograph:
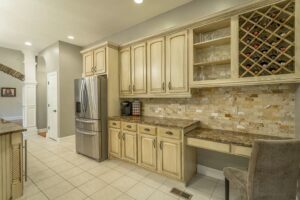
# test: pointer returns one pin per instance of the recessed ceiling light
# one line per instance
(28, 43)
(71, 37)
(138, 1)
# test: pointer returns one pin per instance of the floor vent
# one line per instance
(181, 193)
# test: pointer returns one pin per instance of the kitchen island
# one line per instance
(11, 160)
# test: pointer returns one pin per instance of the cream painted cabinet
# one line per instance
(147, 151)
(169, 157)
(99, 61)
(114, 142)
(177, 63)
(138, 68)
(156, 66)
(88, 65)
(125, 72)
(129, 146)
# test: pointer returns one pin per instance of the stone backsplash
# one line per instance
(268, 109)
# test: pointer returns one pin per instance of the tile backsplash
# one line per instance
(267, 109)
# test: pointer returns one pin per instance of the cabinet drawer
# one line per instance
(205, 144)
(240, 150)
(169, 133)
(128, 126)
(145, 129)
(114, 124)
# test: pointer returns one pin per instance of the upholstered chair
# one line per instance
(272, 173)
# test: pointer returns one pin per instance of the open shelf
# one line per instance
(267, 40)
(217, 62)
(214, 42)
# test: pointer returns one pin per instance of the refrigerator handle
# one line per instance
(81, 97)
(85, 97)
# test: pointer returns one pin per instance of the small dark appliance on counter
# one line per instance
(136, 108)
(126, 108)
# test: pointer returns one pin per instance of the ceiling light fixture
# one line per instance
(138, 1)
(71, 37)
(28, 43)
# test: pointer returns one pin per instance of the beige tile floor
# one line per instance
(56, 171)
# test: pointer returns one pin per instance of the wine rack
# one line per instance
(267, 40)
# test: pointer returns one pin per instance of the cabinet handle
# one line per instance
(128, 126)
(169, 85)
(154, 143)
(163, 86)
(133, 87)
(114, 123)
(146, 129)
(169, 133)
(161, 145)
(124, 137)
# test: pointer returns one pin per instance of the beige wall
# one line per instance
(182, 15)
(11, 108)
(70, 62)
(66, 60)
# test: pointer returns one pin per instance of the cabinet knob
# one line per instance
(169, 133)
(146, 129)
(114, 123)
(128, 126)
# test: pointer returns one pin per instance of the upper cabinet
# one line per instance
(256, 47)
(94, 62)
(156, 66)
(177, 64)
(138, 68)
(99, 61)
(125, 72)
(88, 66)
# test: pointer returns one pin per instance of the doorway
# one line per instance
(52, 112)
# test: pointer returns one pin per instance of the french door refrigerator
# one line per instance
(91, 117)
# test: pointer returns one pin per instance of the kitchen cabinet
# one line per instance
(147, 151)
(138, 68)
(129, 146)
(177, 63)
(114, 140)
(156, 66)
(156, 148)
(125, 71)
(99, 61)
(88, 65)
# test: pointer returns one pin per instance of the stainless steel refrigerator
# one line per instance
(91, 117)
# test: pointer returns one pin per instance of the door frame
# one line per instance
(56, 138)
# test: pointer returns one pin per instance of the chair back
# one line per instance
(273, 170)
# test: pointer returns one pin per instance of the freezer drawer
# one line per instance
(88, 143)
(88, 124)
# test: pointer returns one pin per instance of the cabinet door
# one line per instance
(147, 151)
(88, 63)
(129, 146)
(100, 61)
(170, 157)
(138, 54)
(125, 72)
(156, 65)
(176, 63)
(114, 142)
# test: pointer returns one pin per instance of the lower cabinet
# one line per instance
(129, 146)
(169, 157)
(158, 149)
(114, 140)
(147, 151)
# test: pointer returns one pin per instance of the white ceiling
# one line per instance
(43, 22)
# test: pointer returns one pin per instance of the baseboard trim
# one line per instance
(13, 118)
(207, 171)
(63, 138)
(42, 130)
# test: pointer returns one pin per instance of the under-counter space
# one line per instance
(237, 143)
(157, 121)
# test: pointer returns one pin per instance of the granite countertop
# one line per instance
(157, 121)
(7, 127)
(229, 137)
